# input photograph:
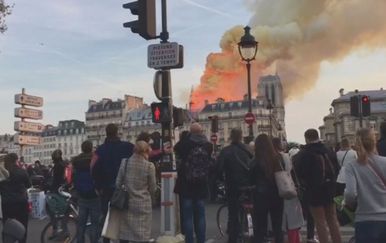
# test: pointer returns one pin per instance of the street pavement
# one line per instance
(36, 226)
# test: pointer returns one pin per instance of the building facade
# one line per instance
(339, 123)
(106, 111)
(70, 136)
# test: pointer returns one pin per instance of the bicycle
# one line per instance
(66, 222)
(245, 215)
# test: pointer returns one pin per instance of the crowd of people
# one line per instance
(355, 172)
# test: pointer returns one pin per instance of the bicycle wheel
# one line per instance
(47, 234)
(246, 226)
(222, 220)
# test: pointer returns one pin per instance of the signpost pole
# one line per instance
(22, 133)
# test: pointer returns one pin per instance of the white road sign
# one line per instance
(28, 126)
(28, 113)
(163, 55)
(27, 140)
(24, 99)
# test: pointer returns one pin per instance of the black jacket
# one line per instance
(381, 147)
(58, 175)
(235, 162)
(81, 168)
(14, 189)
(306, 163)
(185, 189)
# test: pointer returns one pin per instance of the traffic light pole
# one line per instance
(360, 112)
(169, 212)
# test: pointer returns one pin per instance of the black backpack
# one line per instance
(324, 171)
(197, 165)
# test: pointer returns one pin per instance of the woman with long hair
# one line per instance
(266, 198)
(366, 190)
(14, 193)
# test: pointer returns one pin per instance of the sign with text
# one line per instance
(24, 99)
(28, 113)
(164, 55)
(28, 126)
(27, 140)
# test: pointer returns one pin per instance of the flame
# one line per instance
(295, 36)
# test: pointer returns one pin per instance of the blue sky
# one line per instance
(70, 51)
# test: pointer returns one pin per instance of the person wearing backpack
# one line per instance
(88, 200)
(317, 169)
(195, 154)
(234, 161)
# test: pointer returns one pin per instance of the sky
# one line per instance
(70, 51)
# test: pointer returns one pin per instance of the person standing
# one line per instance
(58, 171)
(193, 172)
(14, 199)
(366, 190)
(381, 144)
(266, 197)
(234, 161)
(317, 168)
(344, 155)
(292, 212)
(88, 201)
(137, 174)
(105, 165)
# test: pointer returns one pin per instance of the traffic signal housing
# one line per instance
(354, 106)
(214, 124)
(145, 26)
(366, 111)
(178, 117)
(160, 112)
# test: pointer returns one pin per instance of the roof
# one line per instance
(230, 106)
(268, 78)
(139, 114)
(373, 94)
(106, 106)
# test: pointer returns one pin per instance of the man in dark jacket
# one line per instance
(105, 165)
(89, 202)
(193, 193)
(234, 161)
(58, 171)
(381, 144)
(317, 169)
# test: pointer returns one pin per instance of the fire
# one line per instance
(295, 37)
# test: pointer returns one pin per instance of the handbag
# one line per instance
(112, 224)
(120, 198)
(285, 184)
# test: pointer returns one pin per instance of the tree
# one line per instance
(4, 11)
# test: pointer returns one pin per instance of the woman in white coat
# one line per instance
(292, 213)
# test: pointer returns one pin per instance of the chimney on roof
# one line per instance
(91, 102)
(206, 102)
(341, 92)
(245, 97)
(381, 88)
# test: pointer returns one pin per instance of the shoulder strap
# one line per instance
(240, 161)
(344, 157)
(375, 169)
(124, 174)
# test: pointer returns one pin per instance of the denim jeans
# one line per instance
(89, 208)
(370, 231)
(194, 211)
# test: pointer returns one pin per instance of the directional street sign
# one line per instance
(28, 126)
(164, 55)
(24, 99)
(27, 140)
(28, 113)
(249, 118)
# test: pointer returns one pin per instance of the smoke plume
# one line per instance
(295, 37)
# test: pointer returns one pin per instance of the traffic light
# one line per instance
(145, 26)
(366, 106)
(178, 117)
(214, 125)
(354, 105)
(160, 112)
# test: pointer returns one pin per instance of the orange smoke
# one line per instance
(295, 37)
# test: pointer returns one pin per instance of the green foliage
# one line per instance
(5, 10)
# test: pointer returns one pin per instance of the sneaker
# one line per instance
(314, 240)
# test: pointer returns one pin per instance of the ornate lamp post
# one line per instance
(248, 49)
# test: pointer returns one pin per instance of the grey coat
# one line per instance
(292, 213)
(135, 223)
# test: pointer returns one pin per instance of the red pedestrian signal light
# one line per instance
(160, 112)
(366, 110)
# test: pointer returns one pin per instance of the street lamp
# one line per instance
(248, 50)
(270, 107)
